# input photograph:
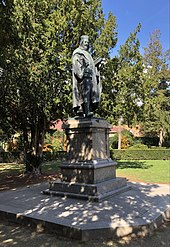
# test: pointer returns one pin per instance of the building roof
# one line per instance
(56, 125)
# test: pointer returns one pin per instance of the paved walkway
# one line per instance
(138, 211)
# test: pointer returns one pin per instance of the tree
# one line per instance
(38, 40)
(122, 82)
(156, 88)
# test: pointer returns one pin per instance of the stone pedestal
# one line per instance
(88, 173)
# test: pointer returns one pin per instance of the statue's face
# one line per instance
(85, 44)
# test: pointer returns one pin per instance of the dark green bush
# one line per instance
(113, 141)
(55, 155)
(148, 154)
(8, 157)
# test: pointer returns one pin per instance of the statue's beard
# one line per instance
(85, 47)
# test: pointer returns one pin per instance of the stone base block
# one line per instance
(93, 192)
(87, 139)
(89, 172)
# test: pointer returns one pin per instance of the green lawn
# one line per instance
(151, 171)
(8, 169)
(51, 166)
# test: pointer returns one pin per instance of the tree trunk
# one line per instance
(161, 138)
(26, 152)
(119, 133)
(119, 139)
(34, 149)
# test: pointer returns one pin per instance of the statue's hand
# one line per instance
(98, 61)
(88, 72)
(87, 64)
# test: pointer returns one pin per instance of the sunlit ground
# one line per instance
(19, 236)
(11, 168)
(149, 171)
(146, 171)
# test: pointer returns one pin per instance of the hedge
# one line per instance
(18, 157)
(55, 155)
(123, 154)
(148, 154)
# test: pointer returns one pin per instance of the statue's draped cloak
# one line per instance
(81, 59)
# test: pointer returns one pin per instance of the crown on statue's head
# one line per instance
(84, 37)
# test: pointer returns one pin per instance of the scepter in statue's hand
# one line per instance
(98, 61)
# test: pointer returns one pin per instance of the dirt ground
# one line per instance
(19, 180)
(19, 236)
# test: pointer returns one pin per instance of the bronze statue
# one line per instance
(86, 80)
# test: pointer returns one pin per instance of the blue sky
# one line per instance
(152, 14)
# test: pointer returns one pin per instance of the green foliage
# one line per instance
(167, 141)
(139, 146)
(54, 155)
(37, 44)
(113, 142)
(10, 157)
(127, 140)
(156, 91)
(147, 171)
(55, 139)
(139, 154)
(122, 83)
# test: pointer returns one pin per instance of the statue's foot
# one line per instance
(79, 114)
(89, 114)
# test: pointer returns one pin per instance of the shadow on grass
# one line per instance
(51, 166)
(13, 175)
(133, 165)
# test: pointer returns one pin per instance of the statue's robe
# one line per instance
(84, 71)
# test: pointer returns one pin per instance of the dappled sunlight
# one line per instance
(12, 176)
(118, 214)
(13, 235)
(10, 166)
(111, 212)
(95, 218)
(140, 204)
(127, 213)
(83, 144)
(8, 169)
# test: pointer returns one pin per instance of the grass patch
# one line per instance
(150, 171)
(9, 169)
(12, 175)
(51, 166)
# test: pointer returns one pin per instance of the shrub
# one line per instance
(8, 157)
(55, 155)
(53, 141)
(127, 140)
(113, 141)
(148, 154)
(139, 146)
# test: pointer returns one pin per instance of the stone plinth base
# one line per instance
(87, 139)
(89, 173)
(92, 192)
(94, 180)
